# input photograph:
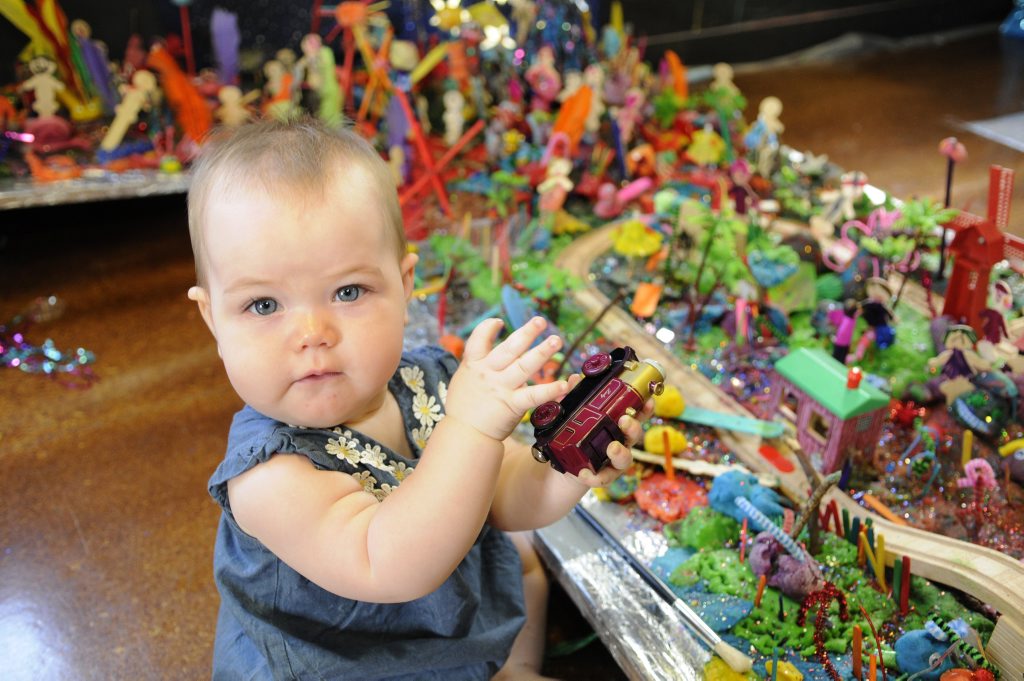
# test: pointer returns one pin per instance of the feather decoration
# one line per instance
(226, 39)
(193, 114)
(51, 23)
(98, 70)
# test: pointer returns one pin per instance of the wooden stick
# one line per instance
(701, 467)
(882, 510)
(905, 586)
(812, 504)
(670, 470)
(431, 173)
(897, 579)
(858, 643)
(743, 540)
(590, 327)
(421, 146)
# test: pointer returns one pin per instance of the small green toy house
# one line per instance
(834, 411)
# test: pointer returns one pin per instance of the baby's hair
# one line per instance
(282, 158)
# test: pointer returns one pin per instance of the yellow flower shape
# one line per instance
(412, 377)
(420, 435)
(383, 491)
(345, 447)
(426, 409)
(634, 238)
(366, 480)
(402, 471)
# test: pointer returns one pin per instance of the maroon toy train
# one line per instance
(575, 433)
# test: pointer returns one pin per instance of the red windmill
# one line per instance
(978, 245)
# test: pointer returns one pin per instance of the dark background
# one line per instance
(701, 31)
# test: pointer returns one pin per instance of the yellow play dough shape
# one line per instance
(670, 403)
(654, 440)
(718, 670)
(787, 672)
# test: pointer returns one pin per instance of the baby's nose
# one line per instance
(317, 329)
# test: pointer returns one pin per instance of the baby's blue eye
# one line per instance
(263, 306)
(347, 294)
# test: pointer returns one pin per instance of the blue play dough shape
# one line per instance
(664, 564)
(721, 612)
(518, 311)
(728, 486)
(914, 650)
(769, 272)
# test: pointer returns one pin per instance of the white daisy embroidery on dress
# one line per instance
(366, 480)
(442, 392)
(420, 435)
(401, 471)
(382, 492)
(373, 456)
(350, 450)
(426, 409)
(345, 447)
(413, 377)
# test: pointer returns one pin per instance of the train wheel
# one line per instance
(597, 364)
(546, 414)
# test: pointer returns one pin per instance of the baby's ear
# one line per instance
(202, 299)
(407, 267)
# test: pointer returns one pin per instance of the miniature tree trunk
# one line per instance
(690, 316)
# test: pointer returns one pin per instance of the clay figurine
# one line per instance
(43, 85)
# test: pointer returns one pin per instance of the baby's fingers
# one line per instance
(619, 459)
(481, 340)
(531, 396)
(531, 362)
(631, 429)
(516, 345)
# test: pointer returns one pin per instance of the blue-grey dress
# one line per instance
(276, 624)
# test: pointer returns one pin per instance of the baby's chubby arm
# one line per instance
(323, 525)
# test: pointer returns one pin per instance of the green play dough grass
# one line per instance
(722, 573)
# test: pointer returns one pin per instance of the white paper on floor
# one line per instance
(1007, 130)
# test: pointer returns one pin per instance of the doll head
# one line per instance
(960, 337)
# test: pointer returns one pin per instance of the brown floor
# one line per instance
(106, 530)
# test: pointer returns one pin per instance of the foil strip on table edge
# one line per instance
(644, 633)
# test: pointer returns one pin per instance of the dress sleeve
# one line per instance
(253, 439)
(435, 361)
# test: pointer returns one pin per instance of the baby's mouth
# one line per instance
(315, 376)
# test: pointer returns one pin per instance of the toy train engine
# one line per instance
(575, 433)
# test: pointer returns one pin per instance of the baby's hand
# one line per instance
(489, 391)
(619, 456)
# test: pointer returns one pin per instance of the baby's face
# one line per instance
(306, 298)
